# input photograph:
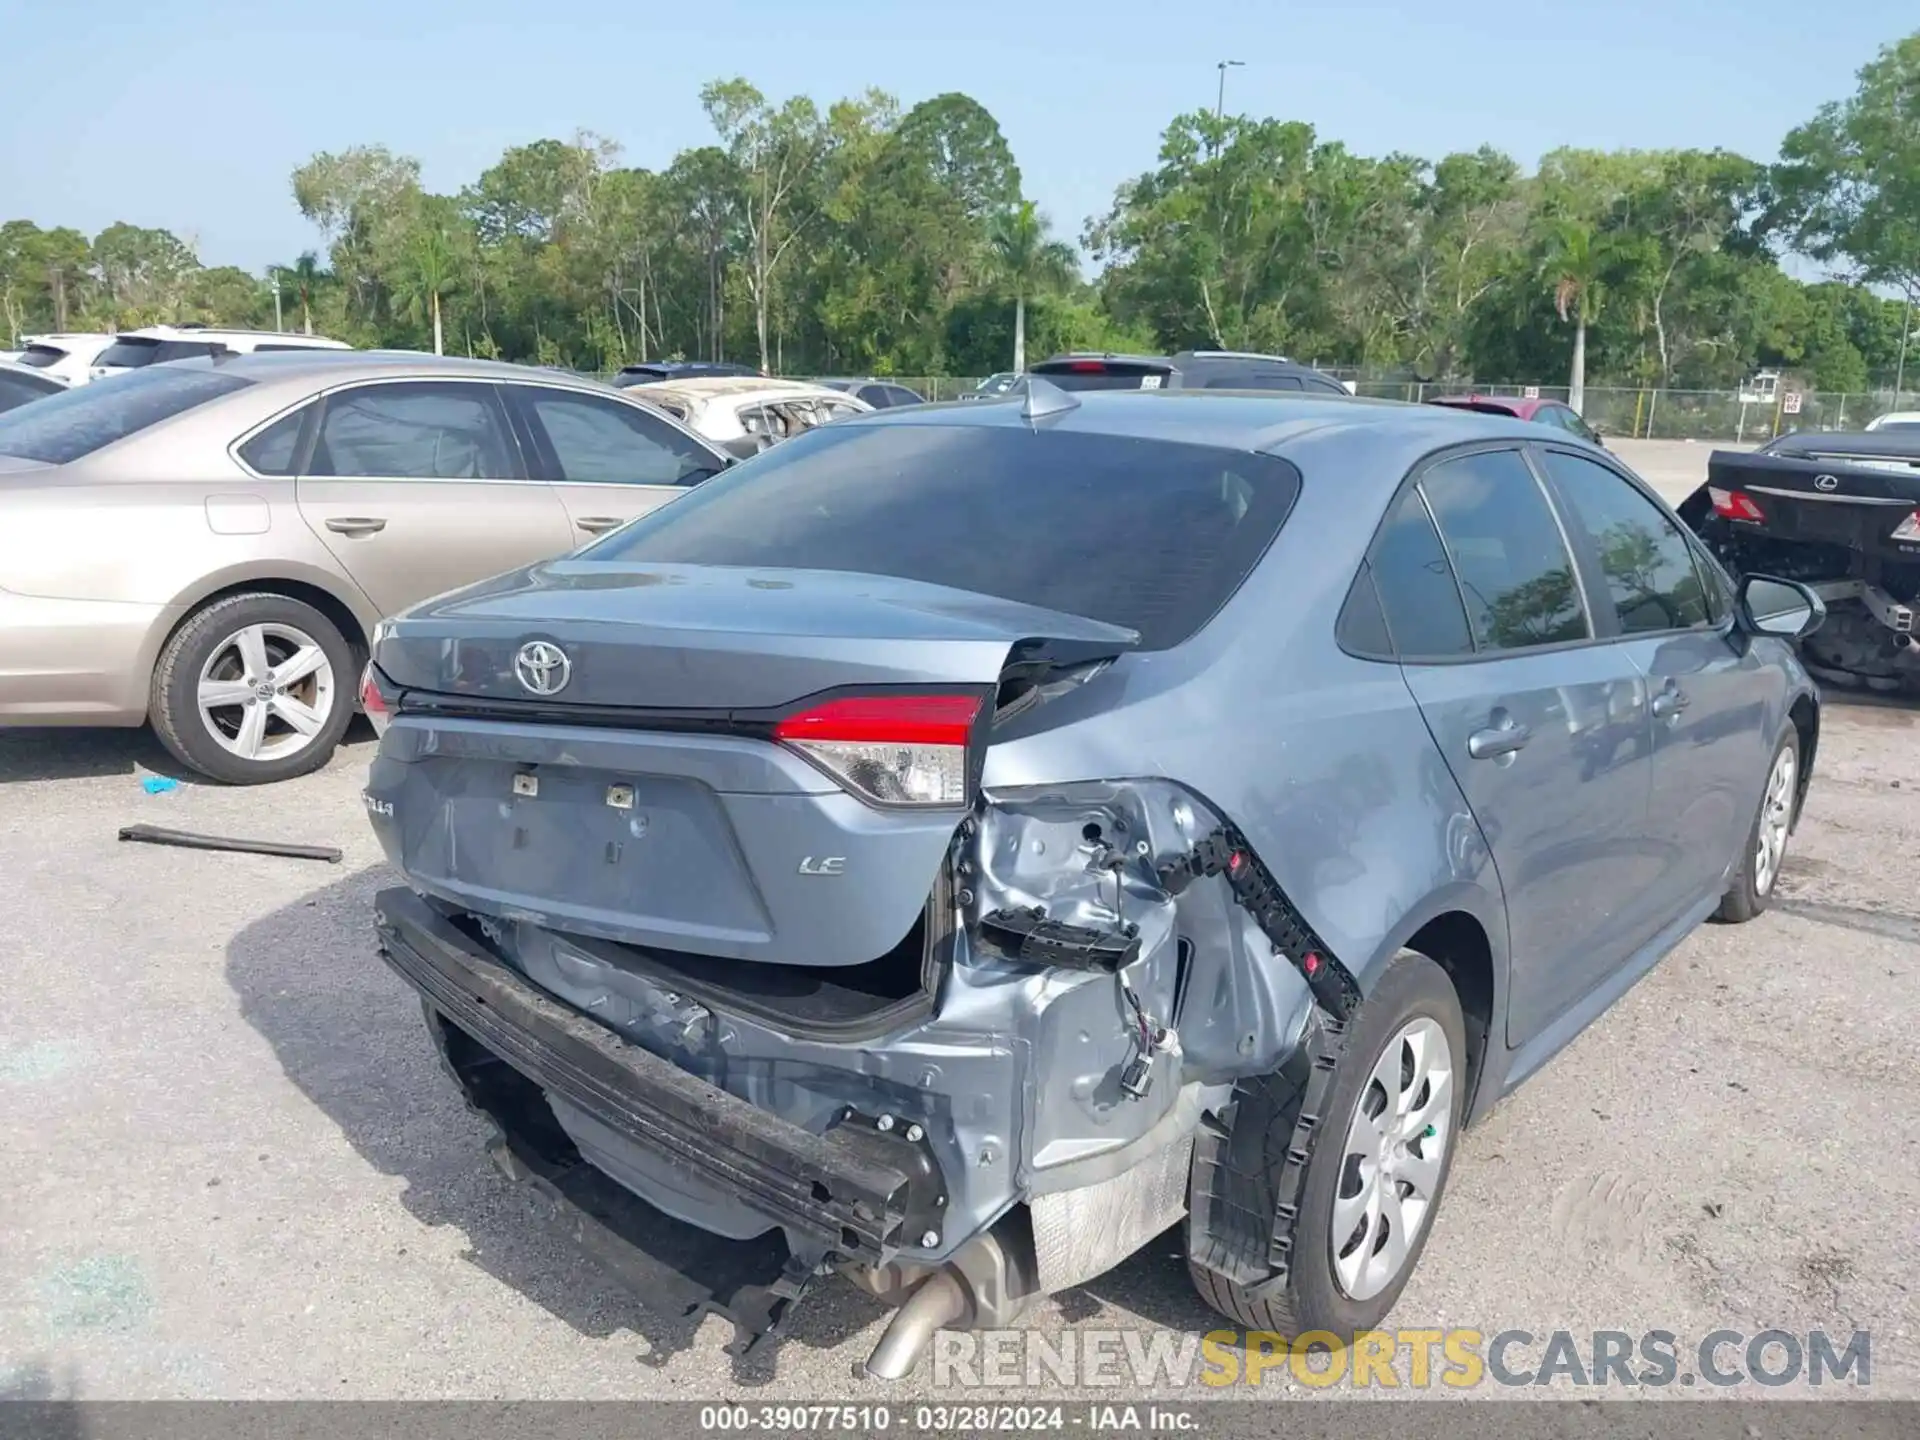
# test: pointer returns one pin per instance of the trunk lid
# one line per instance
(1838, 493)
(710, 638)
(646, 800)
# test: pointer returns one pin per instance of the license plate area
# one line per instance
(612, 852)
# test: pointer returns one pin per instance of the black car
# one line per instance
(1188, 370)
(880, 394)
(649, 371)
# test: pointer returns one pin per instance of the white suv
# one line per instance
(156, 343)
(68, 358)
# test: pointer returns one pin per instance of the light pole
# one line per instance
(1220, 100)
(273, 273)
(1906, 334)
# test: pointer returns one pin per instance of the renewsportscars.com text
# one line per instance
(1402, 1359)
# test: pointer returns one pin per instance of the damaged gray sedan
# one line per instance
(957, 845)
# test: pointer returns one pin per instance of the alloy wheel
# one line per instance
(1776, 818)
(1393, 1158)
(266, 691)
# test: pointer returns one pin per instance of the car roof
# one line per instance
(1296, 425)
(708, 387)
(204, 332)
(318, 369)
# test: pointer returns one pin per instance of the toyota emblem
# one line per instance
(1825, 482)
(543, 668)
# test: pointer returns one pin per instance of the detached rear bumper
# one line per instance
(842, 1194)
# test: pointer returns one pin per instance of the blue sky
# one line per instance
(191, 114)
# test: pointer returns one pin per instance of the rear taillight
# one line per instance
(374, 703)
(1087, 367)
(1734, 505)
(1909, 529)
(890, 749)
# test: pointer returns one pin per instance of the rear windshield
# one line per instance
(41, 356)
(1147, 534)
(1104, 374)
(137, 350)
(77, 422)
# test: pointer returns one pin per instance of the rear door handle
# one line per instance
(599, 524)
(1498, 740)
(1669, 702)
(357, 525)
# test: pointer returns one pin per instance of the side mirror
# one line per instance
(1779, 607)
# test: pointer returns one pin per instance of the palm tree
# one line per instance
(307, 276)
(1576, 256)
(428, 271)
(1025, 261)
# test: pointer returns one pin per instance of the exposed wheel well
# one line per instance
(1806, 720)
(1458, 945)
(329, 606)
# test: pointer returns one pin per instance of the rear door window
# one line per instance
(1163, 533)
(1653, 580)
(598, 441)
(75, 423)
(1515, 571)
(415, 430)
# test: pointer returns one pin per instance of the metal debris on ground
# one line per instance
(186, 839)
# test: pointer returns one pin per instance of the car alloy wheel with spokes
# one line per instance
(266, 691)
(1393, 1158)
(1776, 819)
(1756, 868)
(253, 688)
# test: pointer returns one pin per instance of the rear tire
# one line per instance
(1758, 872)
(253, 688)
(1344, 1283)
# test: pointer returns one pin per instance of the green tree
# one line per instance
(775, 152)
(1847, 187)
(1028, 262)
(1574, 267)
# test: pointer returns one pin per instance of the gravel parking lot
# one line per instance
(234, 1168)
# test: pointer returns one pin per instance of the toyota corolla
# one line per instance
(957, 845)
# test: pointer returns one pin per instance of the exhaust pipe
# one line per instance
(940, 1301)
(989, 1282)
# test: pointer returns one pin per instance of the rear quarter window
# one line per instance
(75, 423)
(1152, 535)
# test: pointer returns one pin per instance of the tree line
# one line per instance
(864, 238)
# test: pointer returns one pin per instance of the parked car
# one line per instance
(157, 344)
(1896, 420)
(880, 394)
(21, 383)
(993, 385)
(647, 371)
(1539, 412)
(1189, 370)
(208, 544)
(1840, 512)
(65, 357)
(1025, 824)
(744, 415)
